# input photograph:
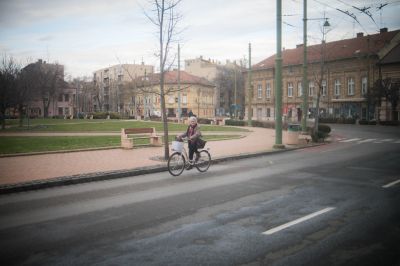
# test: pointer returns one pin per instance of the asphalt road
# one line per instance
(336, 204)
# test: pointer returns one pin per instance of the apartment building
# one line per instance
(210, 69)
(196, 94)
(351, 67)
(109, 83)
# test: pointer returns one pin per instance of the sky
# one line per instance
(87, 35)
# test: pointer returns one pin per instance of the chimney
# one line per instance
(360, 34)
(299, 45)
(40, 61)
(383, 30)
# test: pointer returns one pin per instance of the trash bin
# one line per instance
(293, 134)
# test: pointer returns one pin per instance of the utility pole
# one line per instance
(250, 94)
(278, 77)
(305, 81)
(179, 83)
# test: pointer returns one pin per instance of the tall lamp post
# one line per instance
(324, 27)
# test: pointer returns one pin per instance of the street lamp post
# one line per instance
(324, 27)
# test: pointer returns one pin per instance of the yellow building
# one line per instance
(351, 67)
(194, 93)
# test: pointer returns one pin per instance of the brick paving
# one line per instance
(20, 169)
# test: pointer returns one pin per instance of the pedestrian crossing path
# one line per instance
(367, 140)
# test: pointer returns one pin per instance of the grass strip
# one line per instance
(15, 145)
(85, 125)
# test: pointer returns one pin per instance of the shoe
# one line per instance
(189, 167)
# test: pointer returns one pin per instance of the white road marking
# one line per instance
(349, 140)
(302, 219)
(397, 141)
(391, 184)
(387, 140)
(366, 140)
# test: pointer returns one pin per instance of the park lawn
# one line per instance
(81, 125)
(15, 145)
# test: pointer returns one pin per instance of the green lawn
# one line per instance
(101, 125)
(13, 145)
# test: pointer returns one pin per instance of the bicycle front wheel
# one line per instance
(204, 161)
(176, 164)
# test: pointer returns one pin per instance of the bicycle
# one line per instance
(179, 161)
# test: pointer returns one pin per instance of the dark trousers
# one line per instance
(192, 149)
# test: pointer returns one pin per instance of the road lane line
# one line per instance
(387, 140)
(366, 140)
(391, 184)
(349, 140)
(302, 219)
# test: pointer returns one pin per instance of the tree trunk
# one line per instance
(21, 117)
(3, 119)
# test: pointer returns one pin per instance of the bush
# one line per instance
(232, 122)
(330, 120)
(389, 123)
(324, 128)
(115, 116)
(363, 122)
(204, 121)
(319, 136)
(100, 115)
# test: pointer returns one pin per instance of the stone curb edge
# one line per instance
(100, 176)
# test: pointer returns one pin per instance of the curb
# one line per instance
(109, 175)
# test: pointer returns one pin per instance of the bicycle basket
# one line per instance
(177, 146)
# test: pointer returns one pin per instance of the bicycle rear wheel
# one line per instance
(204, 161)
(176, 164)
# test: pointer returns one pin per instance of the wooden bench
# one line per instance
(127, 142)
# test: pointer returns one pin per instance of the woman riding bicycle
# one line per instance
(193, 133)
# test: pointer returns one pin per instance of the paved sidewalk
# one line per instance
(46, 167)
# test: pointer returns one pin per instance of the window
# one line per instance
(60, 111)
(290, 89)
(259, 91)
(364, 85)
(60, 97)
(184, 99)
(268, 90)
(337, 87)
(324, 89)
(350, 86)
(268, 112)
(299, 89)
(66, 97)
(311, 88)
(171, 99)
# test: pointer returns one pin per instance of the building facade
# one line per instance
(109, 85)
(192, 93)
(342, 71)
(212, 71)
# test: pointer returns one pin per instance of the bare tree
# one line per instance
(48, 79)
(165, 18)
(9, 71)
(228, 80)
(385, 90)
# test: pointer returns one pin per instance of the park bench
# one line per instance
(142, 133)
